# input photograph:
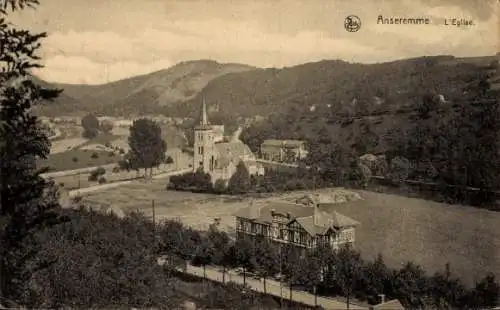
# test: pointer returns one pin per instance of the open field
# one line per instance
(79, 179)
(64, 161)
(402, 229)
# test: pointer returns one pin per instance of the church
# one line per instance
(219, 156)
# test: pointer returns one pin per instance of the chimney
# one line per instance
(382, 298)
(273, 211)
(316, 215)
(288, 215)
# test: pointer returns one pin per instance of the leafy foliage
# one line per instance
(147, 147)
(28, 202)
(240, 180)
(106, 126)
(198, 181)
(90, 125)
(94, 250)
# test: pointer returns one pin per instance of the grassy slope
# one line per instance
(428, 233)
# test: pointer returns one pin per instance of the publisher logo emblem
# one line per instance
(352, 23)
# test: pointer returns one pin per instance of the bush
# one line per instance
(100, 171)
(74, 159)
(219, 186)
(295, 184)
(90, 133)
(77, 199)
(122, 151)
(169, 160)
(399, 170)
(94, 155)
(106, 126)
(93, 176)
(116, 169)
(198, 181)
(108, 144)
(111, 154)
(102, 180)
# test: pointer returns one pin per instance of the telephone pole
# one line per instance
(154, 216)
(281, 276)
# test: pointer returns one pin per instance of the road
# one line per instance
(273, 288)
(79, 192)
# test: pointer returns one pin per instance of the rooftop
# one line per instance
(233, 151)
(314, 220)
(274, 142)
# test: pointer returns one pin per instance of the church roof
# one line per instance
(232, 151)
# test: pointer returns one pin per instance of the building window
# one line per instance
(245, 226)
(281, 232)
(265, 230)
(303, 238)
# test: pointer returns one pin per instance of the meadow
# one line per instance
(77, 158)
(403, 229)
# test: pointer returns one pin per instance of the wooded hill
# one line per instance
(232, 90)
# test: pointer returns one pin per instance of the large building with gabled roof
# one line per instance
(303, 223)
(217, 156)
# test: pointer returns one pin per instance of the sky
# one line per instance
(99, 41)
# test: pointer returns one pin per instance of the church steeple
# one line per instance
(204, 118)
(203, 122)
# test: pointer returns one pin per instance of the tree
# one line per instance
(400, 169)
(239, 182)
(332, 160)
(290, 258)
(266, 259)
(310, 272)
(244, 256)
(219, 186)
(223, 255)
(347, 265)
(360, 175)
(90, 253)
(486, 292)
(377, 277)
(169, 160)
(205, 254)
(409, 285)
(28, 202)
(90, 125)
(147, 147)
(445, 291)
(106, 126)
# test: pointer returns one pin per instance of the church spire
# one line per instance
(204, 118)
